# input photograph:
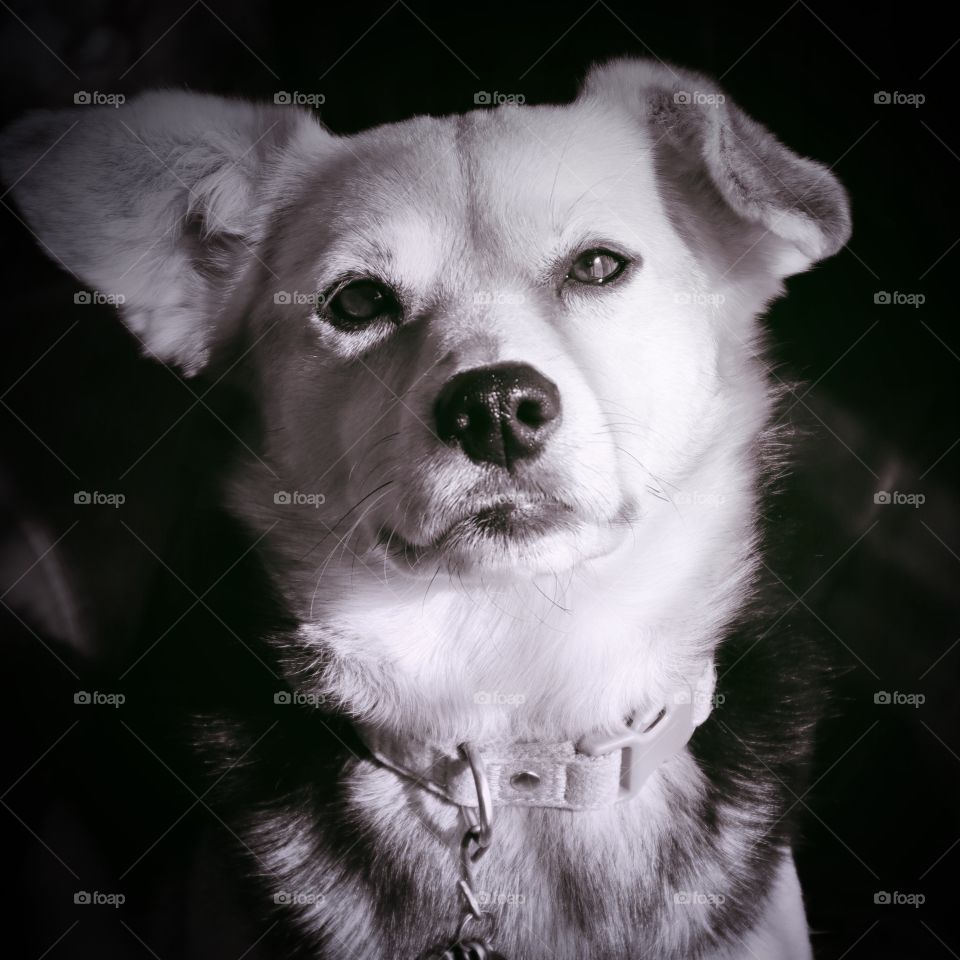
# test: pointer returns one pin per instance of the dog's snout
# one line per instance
(498, 414)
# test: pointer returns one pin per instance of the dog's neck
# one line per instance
(597, 770)
(546, 658)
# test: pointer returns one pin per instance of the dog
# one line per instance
(514, 423)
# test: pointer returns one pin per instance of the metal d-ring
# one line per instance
(481, 823)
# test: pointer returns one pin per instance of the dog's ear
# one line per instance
(800, 206)
(159, 202)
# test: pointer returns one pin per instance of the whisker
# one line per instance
(331, 530)
(551, 599)
(383, 439)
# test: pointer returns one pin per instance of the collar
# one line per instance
(595, 771)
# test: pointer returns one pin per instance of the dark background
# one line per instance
(95, 798)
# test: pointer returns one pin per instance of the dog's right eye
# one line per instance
(361, 302)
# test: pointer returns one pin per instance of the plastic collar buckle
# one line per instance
(643, 750)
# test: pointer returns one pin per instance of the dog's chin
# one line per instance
(508, 538)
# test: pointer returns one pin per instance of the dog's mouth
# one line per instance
(506, 533)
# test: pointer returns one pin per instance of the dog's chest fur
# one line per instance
(607, 883)
(364, 862)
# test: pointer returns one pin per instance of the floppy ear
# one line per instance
(158, 203)
(799, 203)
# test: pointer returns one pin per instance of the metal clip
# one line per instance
(480, 822)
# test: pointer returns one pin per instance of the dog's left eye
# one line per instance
(596, 266)
(358, 303)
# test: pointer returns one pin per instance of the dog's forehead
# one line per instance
(503, 179)
(545, 161)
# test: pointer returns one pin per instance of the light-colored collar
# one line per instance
(595, 771)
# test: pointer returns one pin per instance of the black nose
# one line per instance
(498, 414)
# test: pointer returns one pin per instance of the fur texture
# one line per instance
(229, 228)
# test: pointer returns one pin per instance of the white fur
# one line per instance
(474, 221)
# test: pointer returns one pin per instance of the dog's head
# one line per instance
(512, 342)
